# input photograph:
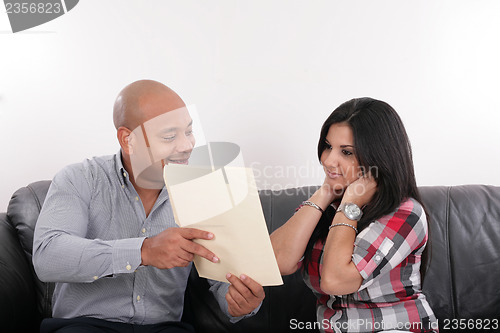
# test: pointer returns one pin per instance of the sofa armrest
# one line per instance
(17, 292)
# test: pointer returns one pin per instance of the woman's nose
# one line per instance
(330, 159)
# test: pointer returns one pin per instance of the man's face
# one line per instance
(167, 138)
(170, 136)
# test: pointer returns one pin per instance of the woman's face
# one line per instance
(339, 159)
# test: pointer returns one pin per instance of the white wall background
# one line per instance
(263, 74)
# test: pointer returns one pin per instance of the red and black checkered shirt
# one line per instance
(387, 254)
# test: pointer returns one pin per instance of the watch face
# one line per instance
(353, 211)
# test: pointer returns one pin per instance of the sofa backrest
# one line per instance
(460, 283)
(462, 280)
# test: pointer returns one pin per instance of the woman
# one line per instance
(359, 239)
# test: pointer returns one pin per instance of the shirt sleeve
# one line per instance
(386, 242)
(219, 290)
(61, 251)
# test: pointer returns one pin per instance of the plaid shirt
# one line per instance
(387, 254)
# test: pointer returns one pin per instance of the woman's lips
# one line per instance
(332, 175)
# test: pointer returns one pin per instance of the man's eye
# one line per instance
(169, 138)
(188, 133)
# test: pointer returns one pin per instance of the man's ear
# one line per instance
(126, 140)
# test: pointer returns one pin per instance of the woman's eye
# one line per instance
(328, 146)
(346, 152)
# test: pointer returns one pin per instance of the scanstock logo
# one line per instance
(28, 14)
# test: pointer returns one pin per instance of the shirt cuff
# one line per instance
(237, 319)
(127, 255)
(219, 289)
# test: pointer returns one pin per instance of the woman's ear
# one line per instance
(126, 139)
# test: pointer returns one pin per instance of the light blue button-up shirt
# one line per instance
(88, 240)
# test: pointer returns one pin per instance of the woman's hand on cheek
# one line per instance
(331, 192)
(361, 191)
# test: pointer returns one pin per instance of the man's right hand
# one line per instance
(174, 247)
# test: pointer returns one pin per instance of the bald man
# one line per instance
(107, 236)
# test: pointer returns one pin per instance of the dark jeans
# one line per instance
(85, 324)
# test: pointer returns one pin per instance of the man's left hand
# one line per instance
(243, 295)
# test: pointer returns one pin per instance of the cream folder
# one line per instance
(216, 193)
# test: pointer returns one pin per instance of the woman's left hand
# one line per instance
(360, 191)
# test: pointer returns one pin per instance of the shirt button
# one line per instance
(136, 198)
(124, 174)
(123, 186)
(128, 267)
(95, 278)
(138, 298)
(143, 230)
(377, 258)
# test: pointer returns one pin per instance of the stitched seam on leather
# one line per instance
(37, 201)
(449, 254)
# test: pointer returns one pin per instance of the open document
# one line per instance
(216, 193)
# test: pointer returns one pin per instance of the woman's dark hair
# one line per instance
(381, 147)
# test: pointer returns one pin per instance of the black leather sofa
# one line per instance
(462, 284)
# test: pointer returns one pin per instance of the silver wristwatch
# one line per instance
(351, 211)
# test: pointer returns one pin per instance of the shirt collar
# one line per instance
(123, 175)
(120, 169)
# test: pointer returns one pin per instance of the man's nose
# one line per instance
(185, 144)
